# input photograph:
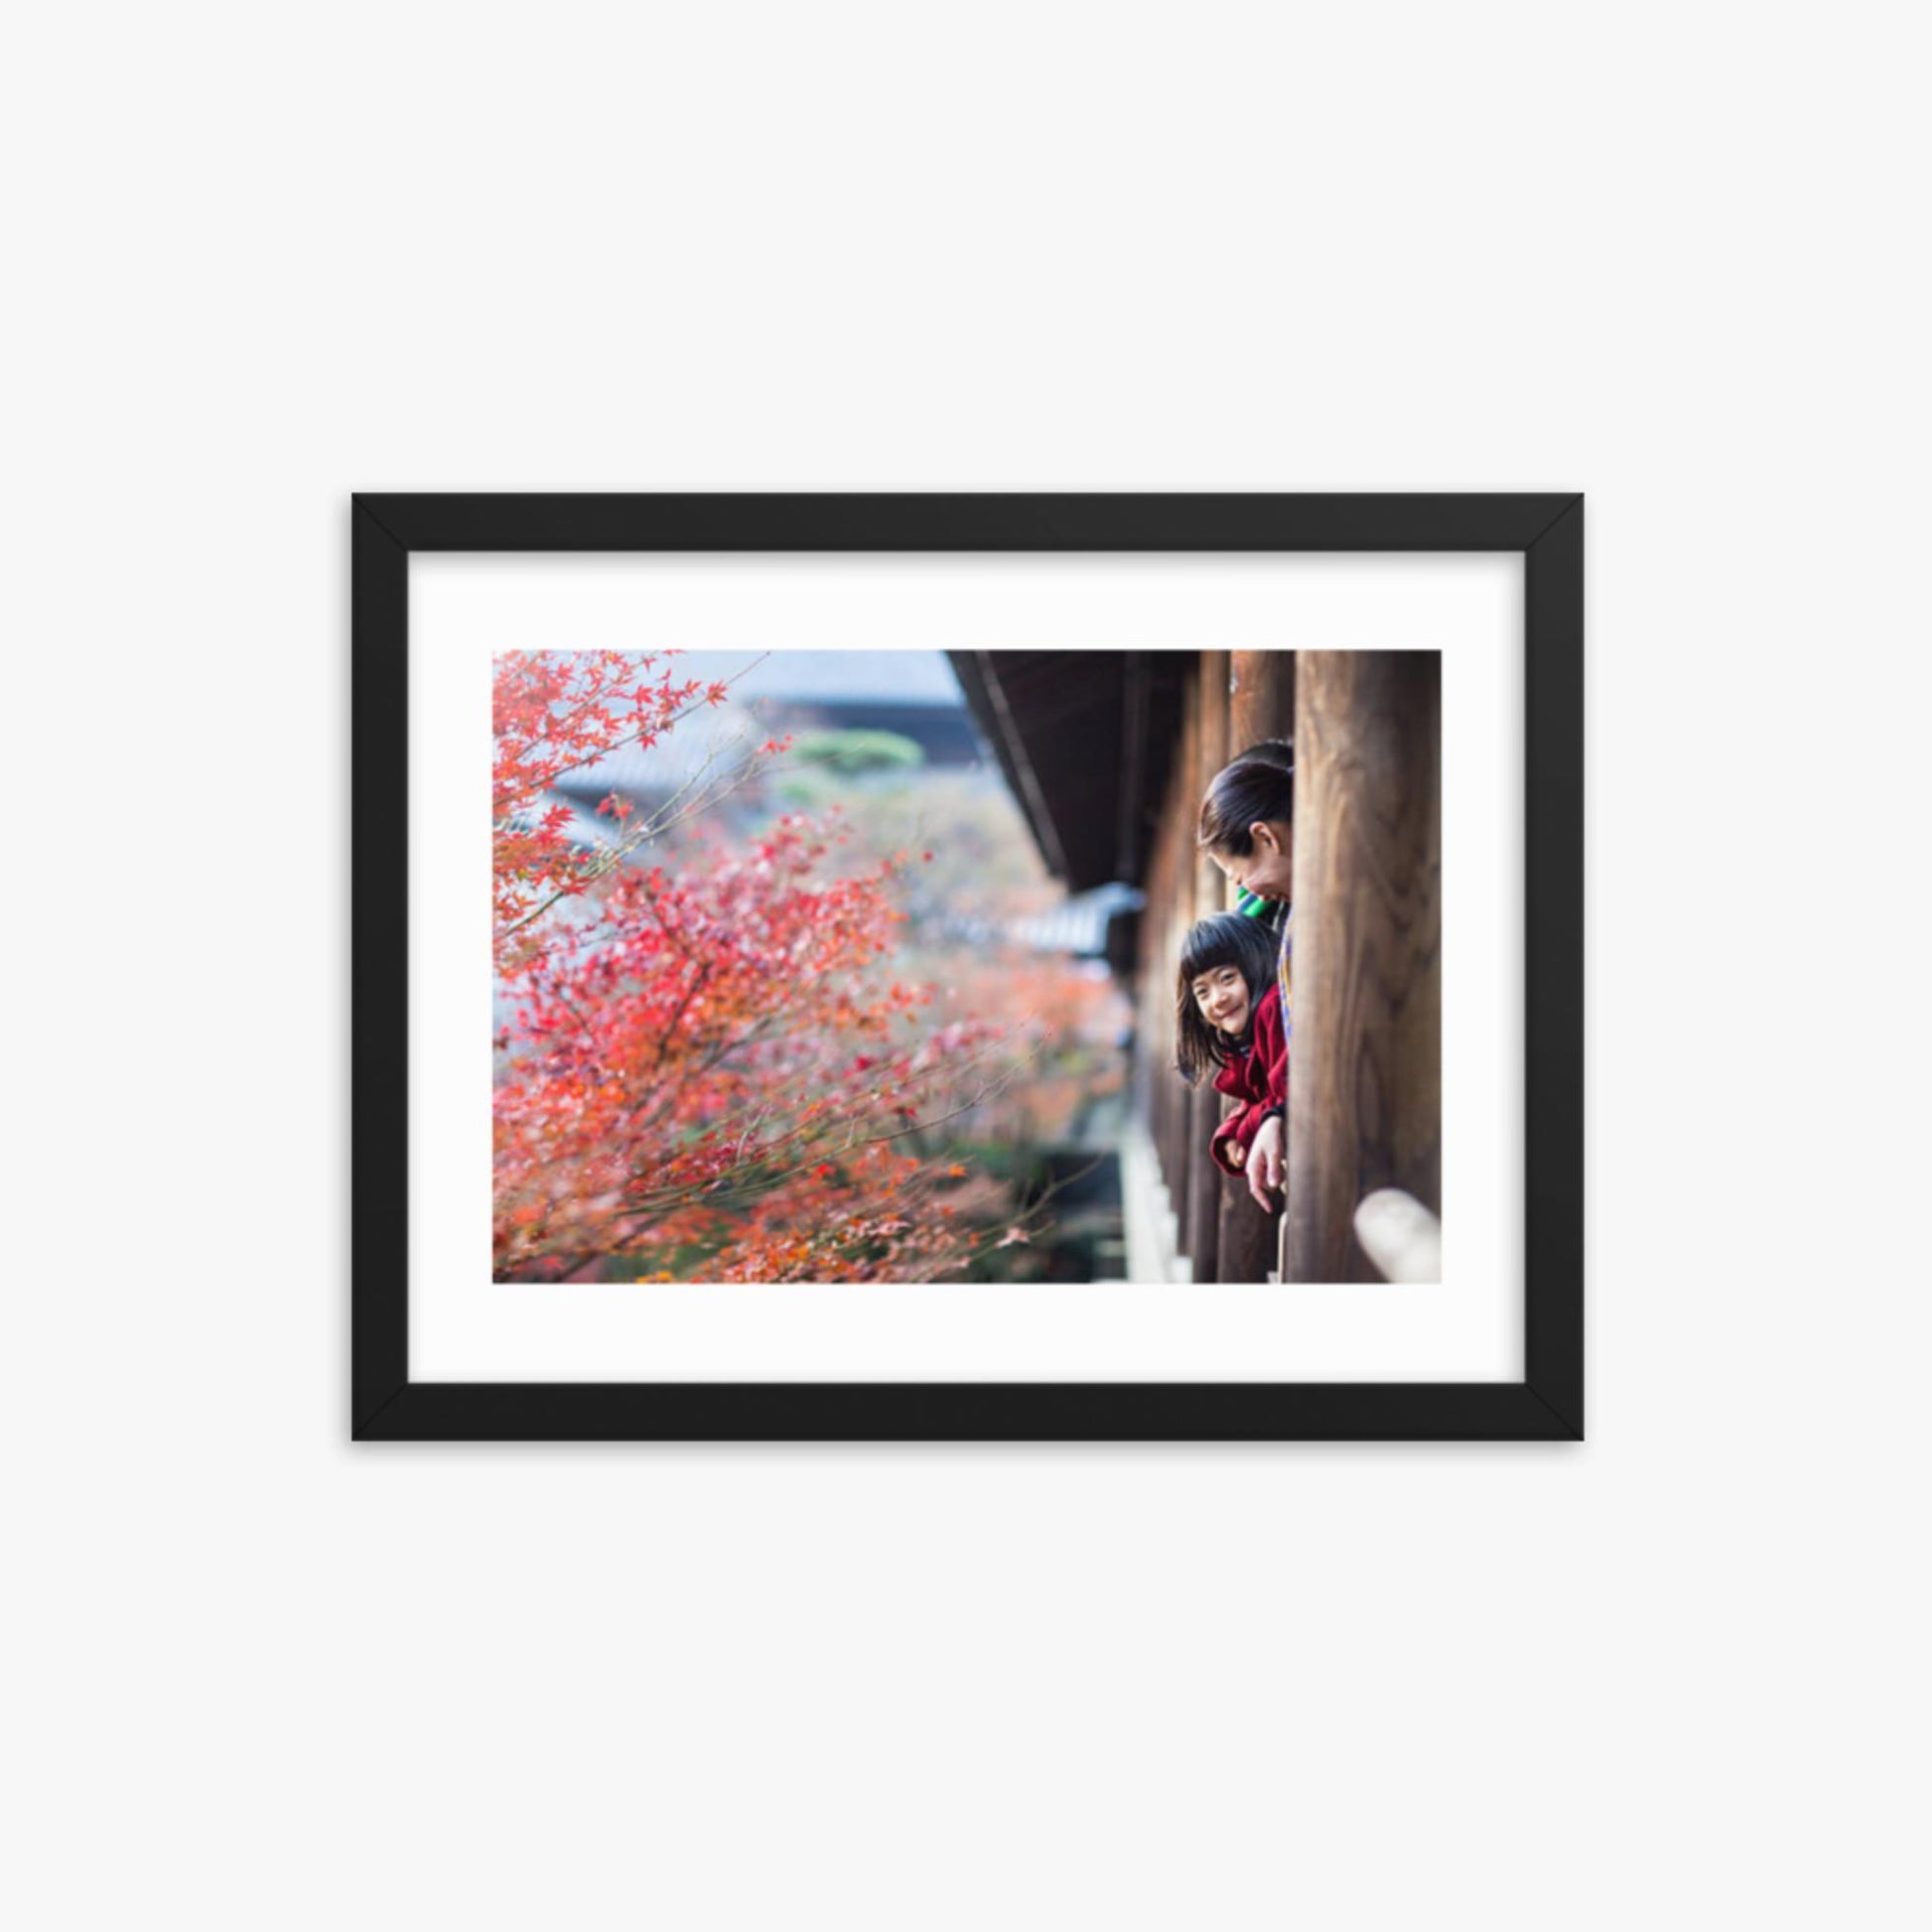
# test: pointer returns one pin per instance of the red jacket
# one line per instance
(1258, 1076)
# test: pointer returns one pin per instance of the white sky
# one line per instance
(901, 676)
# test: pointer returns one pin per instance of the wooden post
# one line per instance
(1260, 704)
(1160, 915)
(1261, 698)
(1155, 1024)
(1204, 1177)
(1186, 764)
(1365, 1084)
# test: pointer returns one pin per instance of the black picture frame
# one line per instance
(1548, 1404)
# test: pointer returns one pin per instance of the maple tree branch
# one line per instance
(657, 730)
(670, 1027)
(720, 1192)
(608, 858)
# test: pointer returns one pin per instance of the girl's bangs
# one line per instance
(1228, 940)
(1203, 952)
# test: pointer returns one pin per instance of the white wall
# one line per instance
(258, 259)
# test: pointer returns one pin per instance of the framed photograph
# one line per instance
(986, 967)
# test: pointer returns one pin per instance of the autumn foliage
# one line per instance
(715, 1074)
(554, 714)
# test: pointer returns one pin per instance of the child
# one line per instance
(1247, 826)
(1228, 1021)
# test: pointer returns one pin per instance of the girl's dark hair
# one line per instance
(1225, 939)
(1258, 785)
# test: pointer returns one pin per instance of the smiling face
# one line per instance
(1222, 995)
(1268, 871)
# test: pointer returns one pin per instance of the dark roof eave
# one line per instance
(998, 725)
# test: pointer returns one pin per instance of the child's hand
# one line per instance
(1265, 1163)
(1236, 1154)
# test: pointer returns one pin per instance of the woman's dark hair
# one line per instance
(1271, 750)
(1225, 939)
(1258, 785)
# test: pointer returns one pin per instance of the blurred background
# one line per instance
(885, 744)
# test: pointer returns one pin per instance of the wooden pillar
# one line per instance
(1186, 769)
(1260, 704)
(1155, 1027)
(1210, 740)
(1365, 1078)
(1261, 698)
(1176, 1166)
(1210, 888)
